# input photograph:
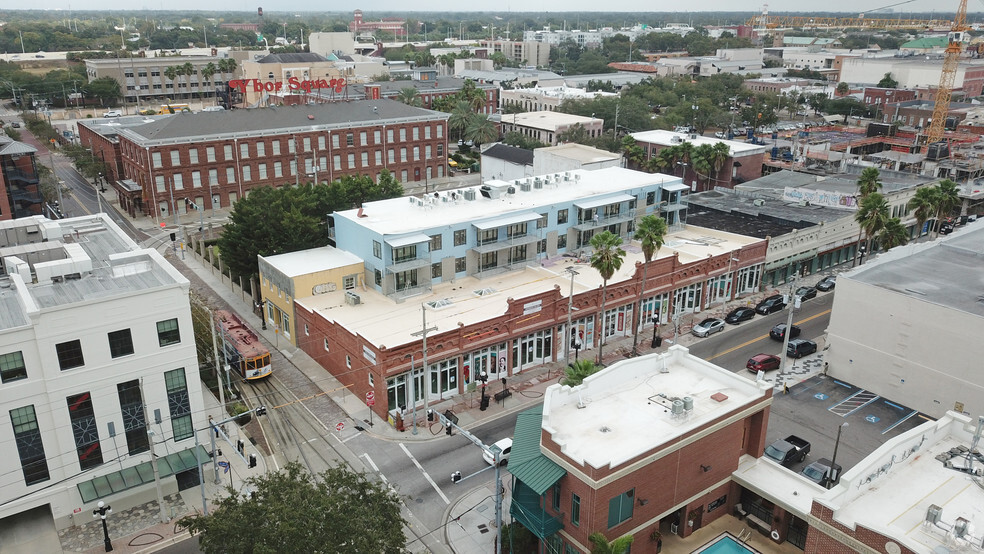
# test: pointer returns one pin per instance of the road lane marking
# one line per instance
(756, 339)
(372, 464)
(428, 477)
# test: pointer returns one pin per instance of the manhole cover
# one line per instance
(419, 500)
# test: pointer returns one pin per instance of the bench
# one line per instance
(502, 394)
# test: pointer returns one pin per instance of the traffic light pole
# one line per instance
(456, 476)
(214, 431)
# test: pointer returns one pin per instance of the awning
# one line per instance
(526, 462)
(507, 220)
(140, 474)
(676, 187)
(596, 202)
(397, 242)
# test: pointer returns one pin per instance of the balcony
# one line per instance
(407, 264)
(601, 222)
(526, 508)
(509, 242)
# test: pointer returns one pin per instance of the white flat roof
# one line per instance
(665, 138)
(384, 321)
(546, 120)
(580, 152)
(622, 411)
(397, 216)
(892, 489)
(325, 258)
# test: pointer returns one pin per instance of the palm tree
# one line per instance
(947, 198)
(458, 121)
(481, 129)
(893, 234)
(923, 206)
(207, 73)
(650, 232)
(634, 154)
(578, 371)
(701, 163)
(602, 546)
(719, 155)
(868, 182)
(188, 69)
(171, 73)
(607, 259)
(871, 216)
(409, 96)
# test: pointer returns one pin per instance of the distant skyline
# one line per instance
(534, 6)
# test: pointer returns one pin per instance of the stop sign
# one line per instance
(370, 398)
(340, 426)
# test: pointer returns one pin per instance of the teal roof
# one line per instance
(526, 462)
(134, 476)
(927, 42)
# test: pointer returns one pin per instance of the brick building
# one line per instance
(490, 273)
(215, 158)
(393, 25)
(19, 180)
(743, 164)
(645, 447)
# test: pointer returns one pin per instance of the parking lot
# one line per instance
(816, 407)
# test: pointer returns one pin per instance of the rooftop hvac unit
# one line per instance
(688, 403)
(567, 175)
(525, 187)
(677, 408)
(693, 136)
(537, 183)
(469, 194)
(758, 202)
(933, 514)
(490, 192)
(412, 199)
(511, 190)
(675, 140)
(352, 299)
(961, 528)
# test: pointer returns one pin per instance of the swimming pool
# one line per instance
(725, 543)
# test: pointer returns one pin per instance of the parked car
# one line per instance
(720, 134)
(738, 315)
(779, 332)
(708, 327)
(826, 284)
(502, 445)
(113, 113)
(770, 305)
(763, 362)
(798, 348)
(806, 293)
(788, 451)
(822, 472)
(15, 125)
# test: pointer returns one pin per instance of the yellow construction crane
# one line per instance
(955, 39)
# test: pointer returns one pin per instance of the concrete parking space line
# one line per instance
(899, 422)
(425, 474)
(854, 403)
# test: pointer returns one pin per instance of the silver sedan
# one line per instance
(708, 327)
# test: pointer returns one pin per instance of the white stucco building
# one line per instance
(908, 324)
(98, 369)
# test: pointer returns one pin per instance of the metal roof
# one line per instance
(520, 156)
(526, 462)
(185, 127)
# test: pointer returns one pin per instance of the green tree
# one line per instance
(575, 133)
(409, 96)
(337, 510)
(458, 121)
(481, 129)
(600, 544)
(871, 216)
(888, 82)
(207, 73)
(923, 206)
(892, 234)
(650, 231)
(106, 89)
(947, 198)
(843, 88)
(578, 371)
(634, 154)
(868, 182)
(606, 259)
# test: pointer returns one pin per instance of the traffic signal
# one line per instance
(448, 431)
(261, 410)
(241, 447)
(430, 415)
(455, 476)
(174, 237)
(252, 460)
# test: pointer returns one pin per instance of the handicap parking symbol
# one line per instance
(820, 396)
(225, 466)
(872, 419)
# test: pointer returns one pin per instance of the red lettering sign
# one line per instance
(293, 84)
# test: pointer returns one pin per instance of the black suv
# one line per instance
(800, 347)
(770, 305)
(779, 332)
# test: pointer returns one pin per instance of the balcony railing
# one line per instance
(496, 246)
(589, 224)
(525, 508)
(16, 174)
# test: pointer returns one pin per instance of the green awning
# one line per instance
(527, 462)
(134, 476)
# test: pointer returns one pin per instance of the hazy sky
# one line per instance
(630, 6)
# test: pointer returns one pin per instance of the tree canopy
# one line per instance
(273, 221)
(338, 510)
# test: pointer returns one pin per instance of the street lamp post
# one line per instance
(101, 512)
(657, 341)
(571, 337)
(833, 459)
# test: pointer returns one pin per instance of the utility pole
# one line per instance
(177, 222)
(153, 455)
(789, 326)
(423, 333)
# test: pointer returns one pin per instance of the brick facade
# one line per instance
(216, 172)
(830, 537)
